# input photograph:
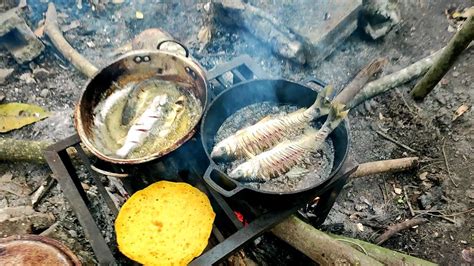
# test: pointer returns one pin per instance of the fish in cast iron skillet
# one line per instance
(283, 157)
(255, 139)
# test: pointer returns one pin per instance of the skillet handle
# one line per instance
(321, 84)
(316, 81)
(216, 186)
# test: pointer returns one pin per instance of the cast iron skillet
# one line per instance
(233, 99)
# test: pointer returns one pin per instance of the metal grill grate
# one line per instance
(228, 234)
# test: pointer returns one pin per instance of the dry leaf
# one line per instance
(461, 110)
(423, 176)
(17, 115)
(360, 227)
(204, 35)
(139, 15)
(381, 117)
(397, 190)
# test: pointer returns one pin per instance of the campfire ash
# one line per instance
(294, 41)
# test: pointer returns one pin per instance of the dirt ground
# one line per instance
(371, 203)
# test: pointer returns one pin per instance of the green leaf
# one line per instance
(17, 115)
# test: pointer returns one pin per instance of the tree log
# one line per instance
(385, 166)
(318, 246)
(444, 62)
(51, 28)
(327, 249)
(386, 256)
(394, 80)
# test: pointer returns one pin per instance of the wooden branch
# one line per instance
(385, 166)
(393, 229)
(51, 28)
(22, 150)
(444, 62)
(394, 80)
(360, 80)
(319, 246)
(386, 256)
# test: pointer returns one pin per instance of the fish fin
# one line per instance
(248, 153)
(337, 113)
(322, 104)
(263, 120)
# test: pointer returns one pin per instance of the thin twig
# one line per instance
(447, 164)
(395, 228)
(428, 164)
(393, 140)
(383, 194)
(405, 101)
(438, 211)
(408, 201)
(348, 241)
(439, 216)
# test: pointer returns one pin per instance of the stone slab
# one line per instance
(18, 38)
(322, 24)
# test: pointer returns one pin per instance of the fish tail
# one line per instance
(125, 149)
(322, 104)
(337, 113)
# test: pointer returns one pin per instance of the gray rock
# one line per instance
(27, 77)
(23, 45)
(380, 16)
(40, 74)
(44, 93)
(360, 207)
(5, 73)
(431, 198)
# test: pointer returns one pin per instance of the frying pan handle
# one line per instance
(174, 41)
(320, 83)
(217, 187)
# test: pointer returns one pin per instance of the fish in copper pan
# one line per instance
(141, 129)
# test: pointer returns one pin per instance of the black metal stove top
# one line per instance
(228, 234)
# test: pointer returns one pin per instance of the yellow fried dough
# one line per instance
(166, 223)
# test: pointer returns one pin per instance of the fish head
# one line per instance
(224, 150)
(244, 172)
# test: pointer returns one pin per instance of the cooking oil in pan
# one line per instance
(318, 165)
(116, 114)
